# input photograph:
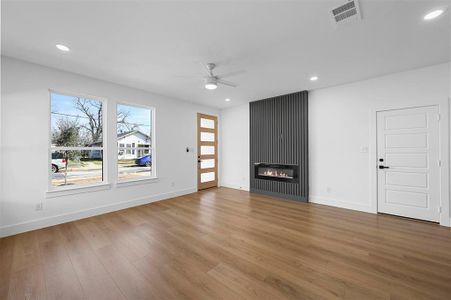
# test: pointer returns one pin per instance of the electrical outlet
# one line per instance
(39, 206)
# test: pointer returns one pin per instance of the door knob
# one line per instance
(384, 167)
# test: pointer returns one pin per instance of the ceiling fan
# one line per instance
(211, 81)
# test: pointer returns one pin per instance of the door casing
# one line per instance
(415, 180)
(444, 154)
(213, 183)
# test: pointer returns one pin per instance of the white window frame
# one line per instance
(71, 189)
(151, 149)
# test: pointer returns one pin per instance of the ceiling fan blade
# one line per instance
(188, 76)
(230, 74)
(228, 83)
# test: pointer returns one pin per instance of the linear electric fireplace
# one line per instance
(276, 172)
(278, 134)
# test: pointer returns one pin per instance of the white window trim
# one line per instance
(153, 177)
(132, 182)
(55, 191)
(64, 148)
(78, 189)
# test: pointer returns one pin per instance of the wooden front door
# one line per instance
(207, 151)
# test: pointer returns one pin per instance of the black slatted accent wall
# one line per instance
(279, 135)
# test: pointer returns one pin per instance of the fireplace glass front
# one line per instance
(276, 172)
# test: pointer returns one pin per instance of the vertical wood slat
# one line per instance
(279, 135)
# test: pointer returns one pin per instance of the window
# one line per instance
(76, 149)
(135, 131)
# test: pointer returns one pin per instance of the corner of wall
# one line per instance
(1, 152)
(236, 187)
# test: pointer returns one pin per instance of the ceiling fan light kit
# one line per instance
(212, 81)
(211, 86)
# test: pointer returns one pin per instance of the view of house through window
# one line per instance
(134, 142)
(76, 140)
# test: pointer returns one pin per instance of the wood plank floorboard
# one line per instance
(229, 244)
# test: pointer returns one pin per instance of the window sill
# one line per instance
(77, 190)
(126, 183)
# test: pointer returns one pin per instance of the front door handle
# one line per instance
(384, 167)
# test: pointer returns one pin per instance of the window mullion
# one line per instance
(60, 148)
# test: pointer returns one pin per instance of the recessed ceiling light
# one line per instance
(314, 78)
(227, 100)
(62, 47)
(433, 14)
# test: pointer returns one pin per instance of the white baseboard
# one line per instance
(236, 187)
(341, 204)
(81, 214)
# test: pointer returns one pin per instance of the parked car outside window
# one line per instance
(58, 161)
(145, 160)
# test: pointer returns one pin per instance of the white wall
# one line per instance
(25, 133)
(235, 147)
(339, 126)
(1, 151)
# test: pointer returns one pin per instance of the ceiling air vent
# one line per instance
(348, 12)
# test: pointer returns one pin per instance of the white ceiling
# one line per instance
(150, 45)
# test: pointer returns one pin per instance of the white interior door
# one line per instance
(408, 163)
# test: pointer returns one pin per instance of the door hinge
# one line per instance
(439, 162)
(440, 209)
(438, 117)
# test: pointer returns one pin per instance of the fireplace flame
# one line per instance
(275, 173)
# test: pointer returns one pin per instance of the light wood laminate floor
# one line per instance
(229, 244)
